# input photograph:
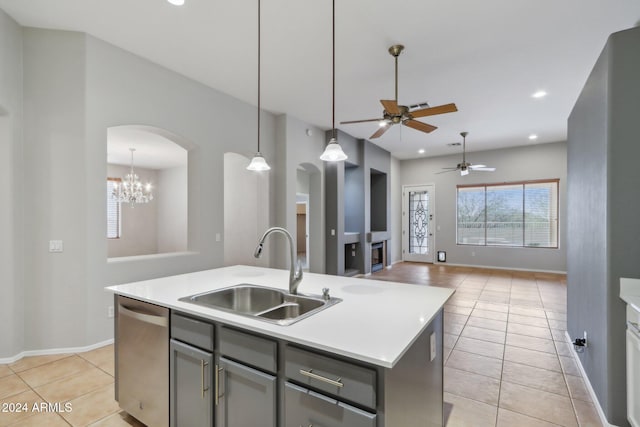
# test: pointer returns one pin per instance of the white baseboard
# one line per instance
(592, 393)
(49, 351)
(533, 270)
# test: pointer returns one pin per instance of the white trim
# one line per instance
(592, 393)
(28, 353)
(533, 270)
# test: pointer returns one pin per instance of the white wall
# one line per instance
(245, 202)
(396, 214)
(11, 210)
(513, 164)
(295, 148)
(139, 223)
(172, 201)
(75, 88)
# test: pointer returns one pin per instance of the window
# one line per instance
(113, 211)
(510, 214)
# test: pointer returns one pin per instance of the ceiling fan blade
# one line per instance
(484, 169)
(390, 106)
(450, 170)
(379, 132)
(477, 166)
(419, 126)
(360, 121)
(432, 111)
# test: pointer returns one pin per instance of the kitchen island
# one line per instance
(374, 359)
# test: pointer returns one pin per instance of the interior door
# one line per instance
(418, 210)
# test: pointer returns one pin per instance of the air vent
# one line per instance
(419, 106)
(454, 144)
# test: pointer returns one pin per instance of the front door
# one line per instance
(417, 218)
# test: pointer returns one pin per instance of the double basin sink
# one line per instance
(263, 303)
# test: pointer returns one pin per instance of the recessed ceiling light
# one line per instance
(539, 94)
(421, 151)
(176, 2)
(533, 137)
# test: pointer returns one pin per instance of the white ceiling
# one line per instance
(488, 57)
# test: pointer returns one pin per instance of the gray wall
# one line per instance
(75, 88)
(349, 202)
(173, 211)
(513, 164)
(296, 149)
(11, 174)
(395, 244)
(603, 183)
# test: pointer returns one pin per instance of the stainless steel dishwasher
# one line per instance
(142, 360)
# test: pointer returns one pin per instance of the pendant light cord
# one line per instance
(333, 78)
(258, 76)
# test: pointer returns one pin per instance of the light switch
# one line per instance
(333, 232)
(218, 237)
(55, 246)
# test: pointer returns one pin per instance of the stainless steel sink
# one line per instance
(263, 303)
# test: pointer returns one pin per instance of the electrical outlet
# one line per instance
(432, 345)
(55, 246)
(110, 312)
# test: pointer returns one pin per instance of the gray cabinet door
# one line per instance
(246, 397)
(307, 408)
(191, 400)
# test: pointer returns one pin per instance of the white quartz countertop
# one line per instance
(376, 322)
(630, 292)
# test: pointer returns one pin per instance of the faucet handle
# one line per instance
(325, 294)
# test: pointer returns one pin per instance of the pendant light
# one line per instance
(258, 163)
(333, 152)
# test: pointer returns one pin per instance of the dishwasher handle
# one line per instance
(143, 317)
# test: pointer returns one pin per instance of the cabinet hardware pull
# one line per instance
(218, 395)
(203, 389)
(310, 374)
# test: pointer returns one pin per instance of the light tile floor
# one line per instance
(506, 359)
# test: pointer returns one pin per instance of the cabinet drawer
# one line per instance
(255, 351)
(192, 331)
(304, 408)
(341, 379)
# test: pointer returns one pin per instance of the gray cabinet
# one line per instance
(190, 372)
(304, 407)
(246, 396)
(246, 380)
(191, 403)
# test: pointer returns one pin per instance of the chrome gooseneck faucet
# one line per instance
(295, 271)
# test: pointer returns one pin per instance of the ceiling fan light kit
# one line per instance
(394, 113)
(258, 163)
(466, 167)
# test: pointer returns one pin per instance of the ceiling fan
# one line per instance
(394, 113)
(465, 167)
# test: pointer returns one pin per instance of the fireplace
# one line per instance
(377, 256)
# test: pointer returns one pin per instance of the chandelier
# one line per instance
(131, 190)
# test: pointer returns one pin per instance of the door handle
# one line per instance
(218, 395)
(337, 382)
(203, 364)
(143, 317)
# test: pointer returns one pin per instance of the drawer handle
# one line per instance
(203, 365)
(310, 374)
(218, 395)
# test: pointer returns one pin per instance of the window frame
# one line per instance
(524, 183)
(119, 211)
